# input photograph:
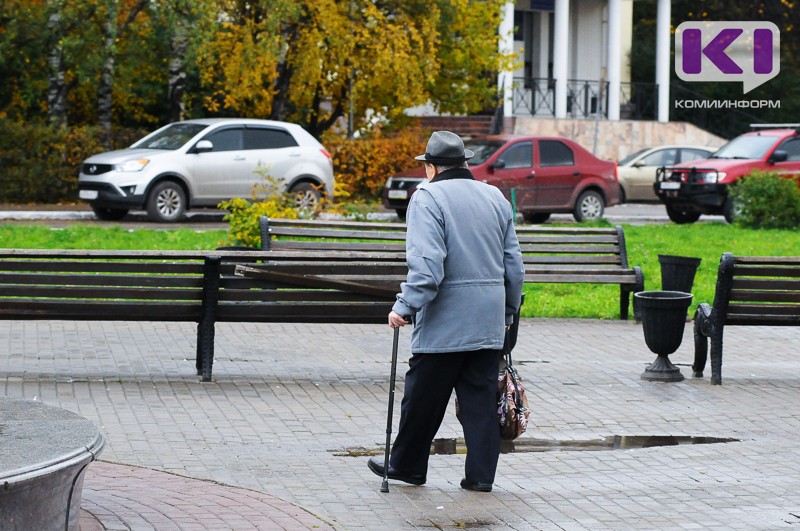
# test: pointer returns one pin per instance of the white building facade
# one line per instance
(573, 61)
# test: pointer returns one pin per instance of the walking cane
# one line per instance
(385, 484)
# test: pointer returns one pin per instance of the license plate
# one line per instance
(398, 194)
(88, 194)
(670, 185)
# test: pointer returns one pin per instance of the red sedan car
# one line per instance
(540, 175)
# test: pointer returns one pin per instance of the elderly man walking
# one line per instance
(464, 285)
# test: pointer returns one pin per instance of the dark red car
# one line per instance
(540, 175)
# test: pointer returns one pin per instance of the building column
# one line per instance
(561, 56)
(614, 59)
(663, 64)
(505, 80)
(542, 34)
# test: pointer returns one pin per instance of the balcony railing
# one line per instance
(585, 99)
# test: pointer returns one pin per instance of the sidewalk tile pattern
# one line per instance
(281, 437)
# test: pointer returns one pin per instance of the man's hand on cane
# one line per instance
(396, 320)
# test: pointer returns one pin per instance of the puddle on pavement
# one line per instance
(613, 442)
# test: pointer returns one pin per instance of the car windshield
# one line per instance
(483, 150)
(746, 147)
(171, 137)
(632, 156)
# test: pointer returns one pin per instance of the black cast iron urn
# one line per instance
(663, 315)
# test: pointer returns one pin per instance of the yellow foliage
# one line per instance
(243, 216)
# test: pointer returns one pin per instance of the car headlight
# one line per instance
(132, 165)
(713, 176)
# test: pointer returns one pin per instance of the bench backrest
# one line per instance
(550, 254)
(195, 286)
(293, 234)
(81, 285)
(758, 290)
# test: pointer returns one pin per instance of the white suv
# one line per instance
(198, 163)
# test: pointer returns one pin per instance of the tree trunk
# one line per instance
(105, 90)
(177, 74)
(57, 88)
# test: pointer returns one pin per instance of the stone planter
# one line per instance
(677, 272)
(663, 315)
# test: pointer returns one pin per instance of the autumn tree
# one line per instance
(314, 61)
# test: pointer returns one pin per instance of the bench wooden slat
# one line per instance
(81, 292)
(336, 233)
(765, 284)
(762, 320)
(73, 254)
(576, 278)
(336, 223)
(350, 268)
(93, 266)
(577, 260)
(767, 310)
(98, 310)
(334, 246)
(568, 240)
(763, 270)
(288, 295)
(166, 281)
(768, 260)
(306, 312)
(569, 250)
(747, 295)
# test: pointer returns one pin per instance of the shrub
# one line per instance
(39, 163)
(266, 199)
(362, 165)
(767, 200)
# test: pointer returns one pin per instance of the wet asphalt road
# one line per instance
(61, 216)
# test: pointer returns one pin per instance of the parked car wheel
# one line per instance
(536, 217)
(109, 214)
(306, 196)
(729, 210)
(589, 206)
(166, 202)
(401, 213)
(682, 216)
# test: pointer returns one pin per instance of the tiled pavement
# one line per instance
(279, 439)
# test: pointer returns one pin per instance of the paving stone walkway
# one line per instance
(281, 437)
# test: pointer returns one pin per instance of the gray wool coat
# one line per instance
(465, 270)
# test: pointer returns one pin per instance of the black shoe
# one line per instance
(376, 466)
(476, 485)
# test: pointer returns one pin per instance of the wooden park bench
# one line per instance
(196, 286)
(750, 291)
(550, 254)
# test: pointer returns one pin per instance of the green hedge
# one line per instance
(39, 163)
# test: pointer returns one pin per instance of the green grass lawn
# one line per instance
(644, 243)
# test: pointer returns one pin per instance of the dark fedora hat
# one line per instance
(445, 147)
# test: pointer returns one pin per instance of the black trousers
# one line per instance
(429, 383)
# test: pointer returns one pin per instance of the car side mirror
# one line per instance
(203, 146)
(498, 165)
(778, 156)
